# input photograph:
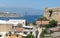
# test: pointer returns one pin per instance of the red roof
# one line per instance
(42, 22)
(19, 29)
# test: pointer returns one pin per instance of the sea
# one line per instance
(28, 18)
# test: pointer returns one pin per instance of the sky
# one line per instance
(36, 4)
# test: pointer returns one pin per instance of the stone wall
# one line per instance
(5, 27)
(55, 14)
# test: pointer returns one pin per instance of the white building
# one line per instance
(20, 21)
(26, 30)
(6, 26)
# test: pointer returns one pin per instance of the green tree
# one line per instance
(30, 36)
(42, 18)
(34, 23)
(52, 23)
(50, 13)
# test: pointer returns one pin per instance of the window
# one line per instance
(0, 35)
(28, 28)
(25, 32)
(6, 34)
(17, 35)
(16, 32)
(10, 33)
(23, 22)
(30, 32)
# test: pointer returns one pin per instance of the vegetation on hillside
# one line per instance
(52, 23)
(34, 23)
(42, 18)
(45, 34)
(30, 36)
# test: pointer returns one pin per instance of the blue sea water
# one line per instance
(29, 18)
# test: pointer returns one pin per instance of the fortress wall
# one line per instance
(55, 14)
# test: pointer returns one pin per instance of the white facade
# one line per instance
(20, 21)
(12, 21)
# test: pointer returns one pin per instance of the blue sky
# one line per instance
(36, 4)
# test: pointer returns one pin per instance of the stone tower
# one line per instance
(55, 14)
